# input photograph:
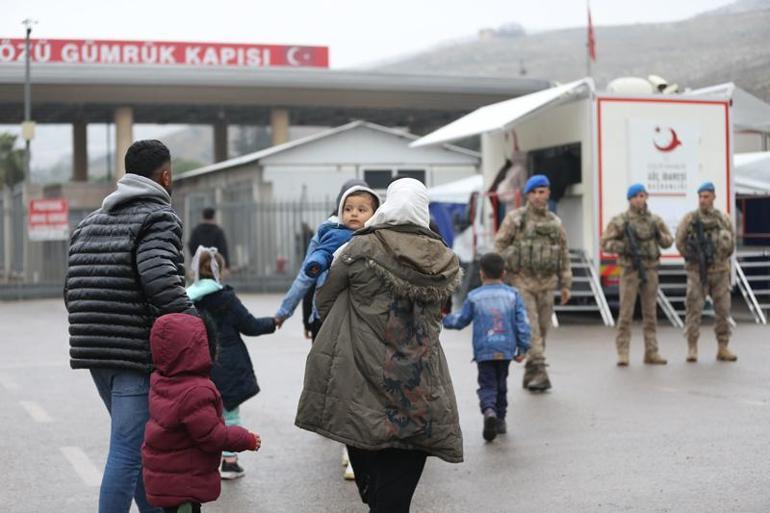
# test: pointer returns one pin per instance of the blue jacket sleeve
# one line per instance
(521, 325)
(317, 262)
(461, 319)
(302, 283)
(250, 325)
(321, 259)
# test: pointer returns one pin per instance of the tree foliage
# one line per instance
(11, 161)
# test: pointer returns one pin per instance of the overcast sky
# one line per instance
(358, 32)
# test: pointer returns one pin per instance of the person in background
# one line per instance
(376, 377)
(125, 270)
(330, 236)
(185, 436)
(232, 372)
(706, 239)
(500, 334)
(637, 236)
(209, 235)
(303, 284)
(533, 243)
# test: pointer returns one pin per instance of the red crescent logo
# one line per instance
(672, 145)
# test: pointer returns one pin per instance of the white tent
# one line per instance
(456, 192)
(752, 173)
(749, 112)
(502, 115)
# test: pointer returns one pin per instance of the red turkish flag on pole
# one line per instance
(591, 39)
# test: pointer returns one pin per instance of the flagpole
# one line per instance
(588, 40)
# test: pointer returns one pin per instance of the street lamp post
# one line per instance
(28, 132)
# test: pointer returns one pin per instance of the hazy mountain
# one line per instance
(726, 44)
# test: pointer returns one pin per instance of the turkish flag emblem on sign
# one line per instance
(300, 56)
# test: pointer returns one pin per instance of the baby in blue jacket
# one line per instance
(357, 205)
(500, 334)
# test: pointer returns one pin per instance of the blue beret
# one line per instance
(536, 181)
(706, 187)
(634, 190)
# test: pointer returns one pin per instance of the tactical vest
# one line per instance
(646, 236)
(537, 249)
(717, 243)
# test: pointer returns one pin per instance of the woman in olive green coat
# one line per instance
(376, 377)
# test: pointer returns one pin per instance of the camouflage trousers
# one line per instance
(539, 303)
(718, 287)
(630, 286)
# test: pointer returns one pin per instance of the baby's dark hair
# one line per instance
(492, 265)
(365, 194)
(211, 334)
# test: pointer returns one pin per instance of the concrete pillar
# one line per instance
(79, 151)
(124, 137)
(279, 125)
(221, 142)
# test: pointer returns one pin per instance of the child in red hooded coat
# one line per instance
(185, 436)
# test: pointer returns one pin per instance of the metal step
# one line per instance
(669, 310)
(672, 272)
(748, 295)
(672, 286)
(748, 265)
(576, 293)
(588, 286)
(578, 308)
(752, 254)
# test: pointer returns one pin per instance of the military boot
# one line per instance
(539, 381)
(623, 358)
(654, 358)
(724, 354)
(529, 373)
(692, 351)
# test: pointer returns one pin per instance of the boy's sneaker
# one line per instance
(231, 470)
(501, 427)
(490, 425)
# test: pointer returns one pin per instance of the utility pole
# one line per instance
(28, 128)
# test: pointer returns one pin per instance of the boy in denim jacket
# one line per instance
(500, 334)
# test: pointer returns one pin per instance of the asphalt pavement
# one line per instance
(677, 438)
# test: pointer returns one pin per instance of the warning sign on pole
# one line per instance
(48, 219)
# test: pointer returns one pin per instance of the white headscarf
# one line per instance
(406, 202)
(196, 263)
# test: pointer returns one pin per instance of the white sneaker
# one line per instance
(345, 458)
(349, 475)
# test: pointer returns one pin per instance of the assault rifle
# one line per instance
(636, 255)
(701, 248)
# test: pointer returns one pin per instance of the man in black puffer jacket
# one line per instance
(125, 270)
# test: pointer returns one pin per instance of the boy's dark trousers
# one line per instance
(493, 386)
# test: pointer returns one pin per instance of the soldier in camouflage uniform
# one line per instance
(650, 234)
(534, 245)
(706, 239)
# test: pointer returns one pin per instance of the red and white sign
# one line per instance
(48, 219)
(164, 53)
